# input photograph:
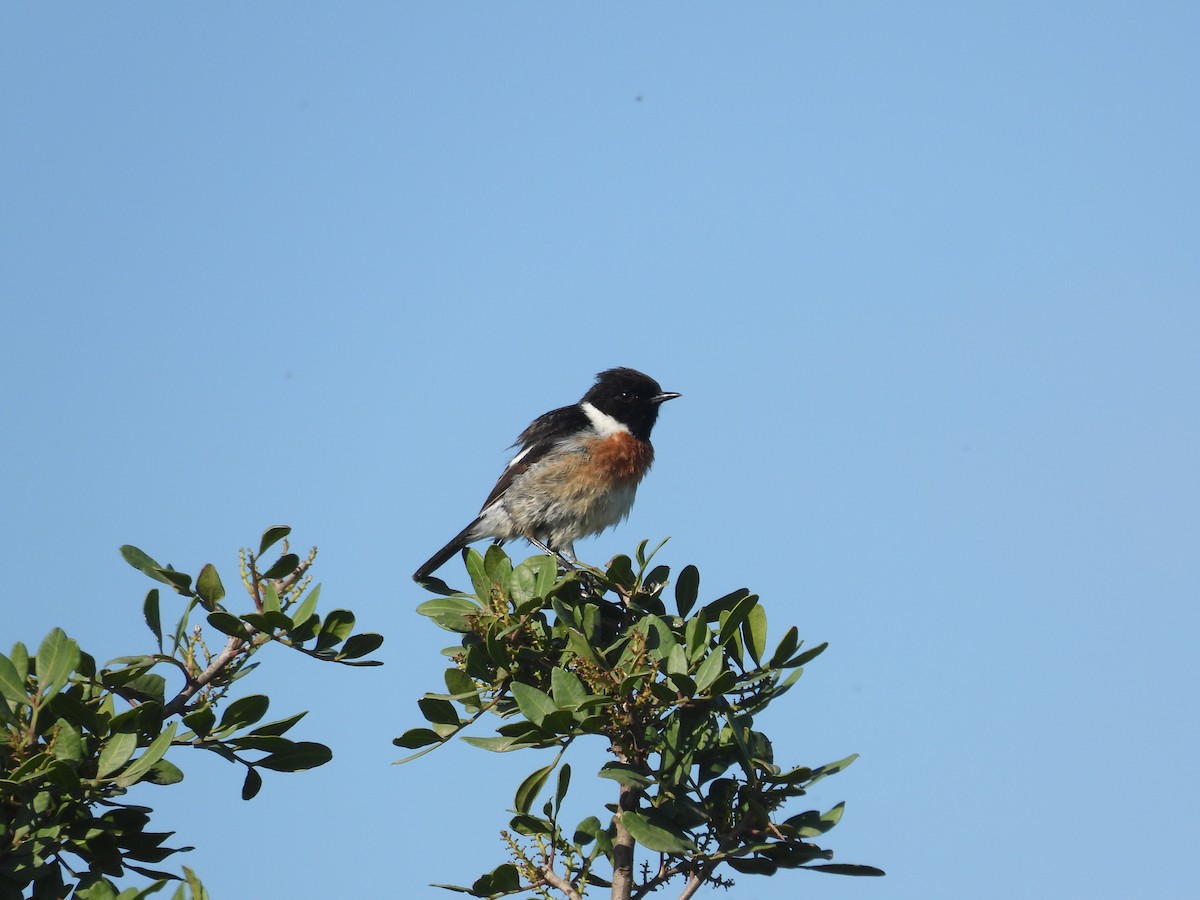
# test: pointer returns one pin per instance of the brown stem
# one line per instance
(622, 883)
(665, 873)
(555, 880)
(693, 885)
(287, 582)
(233, 647)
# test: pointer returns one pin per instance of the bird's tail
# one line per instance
(440, 558)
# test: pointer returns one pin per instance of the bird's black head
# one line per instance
(629, 397)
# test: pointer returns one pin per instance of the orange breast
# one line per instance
(618, 457)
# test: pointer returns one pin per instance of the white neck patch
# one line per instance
(602, 421)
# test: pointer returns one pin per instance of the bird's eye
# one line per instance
(625, 396)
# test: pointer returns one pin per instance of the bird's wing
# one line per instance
(543, 434)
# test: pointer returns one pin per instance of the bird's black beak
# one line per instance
(664, 397)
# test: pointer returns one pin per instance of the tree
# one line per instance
(70, 732)
(560, 654)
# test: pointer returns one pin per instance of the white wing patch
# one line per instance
(604, 424)
(516, 459)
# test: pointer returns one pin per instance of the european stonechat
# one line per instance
(576, 470)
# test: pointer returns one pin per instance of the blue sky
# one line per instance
(926, 275)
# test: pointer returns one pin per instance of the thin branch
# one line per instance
(555, 880)
(289, 581)
(663, 875)
(693, 885)
(220, 662)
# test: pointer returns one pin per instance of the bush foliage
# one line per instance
(75, 737)
(564, 654)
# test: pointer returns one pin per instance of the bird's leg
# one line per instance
(543, 547)
(565, 556)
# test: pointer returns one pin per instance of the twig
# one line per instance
(555, 880)
(233, 647)
(693, 885)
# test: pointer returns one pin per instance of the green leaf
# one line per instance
(687, 589)
(359, 645)
(683, 684)
(143, 563)
(270, 743)
(166, 772)
(531, 786)
(710, 669)
(564, 781)
(712, 611)
(754, 632)
(436, 586)
(756, 865)
(244, 711)
(547, 570)
(656, 836)
(530, 825)
(302, 755)
(522, 584)
(272, 536)
(677, 661)
(812, 824)
(462, 686)
(832, 768)
(227, 623)
(194, 885)
(450, 613)
(252, 785)
(731, 621)
(209, 587)
(116, 752)
(806, 656)
(834, 815)
(417, 737)
(439, 712)
(846, 869)
(534, 704)
(497, 565)
(620, 572)
(270, 601)
(180, 581)
(201, 721)
(280, 726)
(57, 657)
(336, 628)
(68, 741)
(499, 744)
(568, 690)
(153, 618)
(478, 575)
(578, 644)
(11, 684)
(148, 686)
(505, 878)
(643, 558)
(144, 763)
(697, 637)
(625, 774)
(302, 613)
(283, 566)
(788, 646)
(587, 831)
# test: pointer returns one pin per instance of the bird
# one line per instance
(575, 473)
